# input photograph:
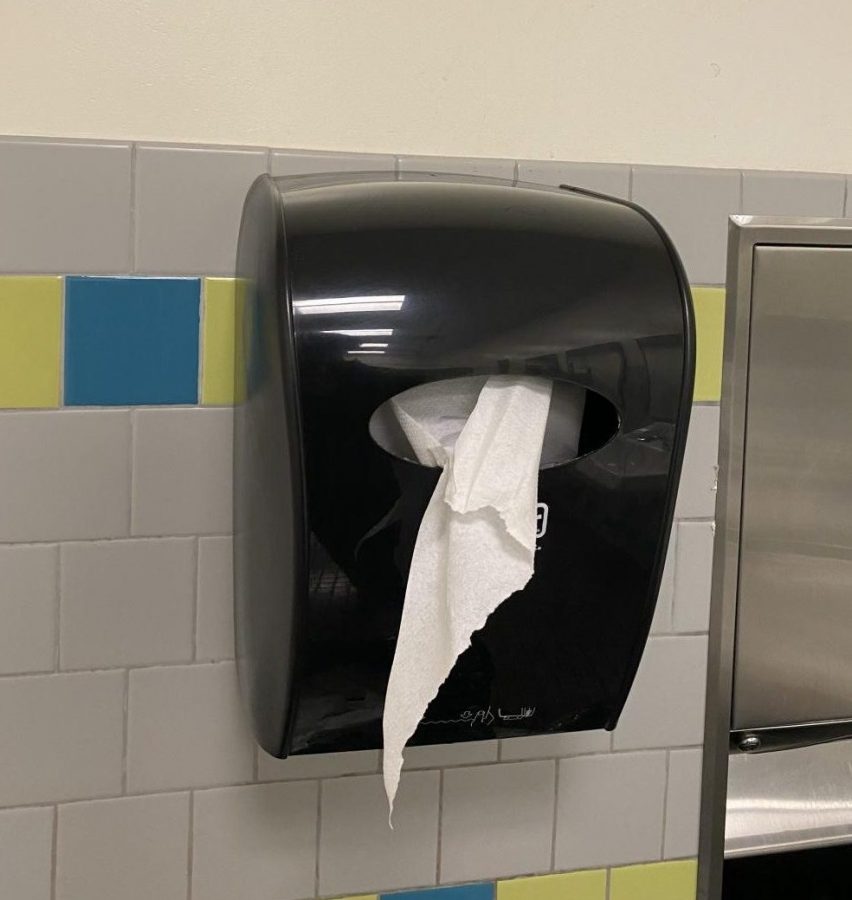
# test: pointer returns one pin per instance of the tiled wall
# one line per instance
(125, 767)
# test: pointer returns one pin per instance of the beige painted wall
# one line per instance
(754, 83)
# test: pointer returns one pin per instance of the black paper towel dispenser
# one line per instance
(359, 287)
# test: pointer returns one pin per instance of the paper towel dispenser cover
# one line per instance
(354, 288)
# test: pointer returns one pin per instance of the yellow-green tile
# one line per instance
(30, 335)
(655, 881)
(224, 300)
(590, 885)
(709, 304)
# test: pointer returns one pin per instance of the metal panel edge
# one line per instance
(741, 241)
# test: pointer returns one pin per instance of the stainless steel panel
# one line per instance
(746, 235)
(793, 658)
(791, 798)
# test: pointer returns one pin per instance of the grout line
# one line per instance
(630, 183)
(196, 587)
(318, 839)
(202, 319)
(132, 254)
(741, 193)
(145, 537)
(608, 887)
(57, 622)
(54, 850)
(438, 854)
(62, 342)
(125, 731)
(190, 846)
(269, 161)
(555, 815)
(665, 804)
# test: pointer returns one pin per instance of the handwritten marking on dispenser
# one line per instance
(485, 716)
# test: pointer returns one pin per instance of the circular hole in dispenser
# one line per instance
(579, 421)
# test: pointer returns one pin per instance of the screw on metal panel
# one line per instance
(749, 742)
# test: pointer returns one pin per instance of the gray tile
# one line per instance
(316, 765)
(693, 576)
(665, 707)
(188, 207)
(793, 194)
(497, 820)
(683, 804)
(26, 848)
(127, 603)
(662, 621)
(66, 743)
(307, 162)
(610, 809)
(28, 606)
(848, 210)
(215, 623)
(360, 853)
(186, 729)
(182, 471)
(64, 207)
(66, 475)
(693, 206)
(550, 746)
(459, 165)
(437, 756)
(696, 496)
(134, 848)
(601, 177)
(255, 842)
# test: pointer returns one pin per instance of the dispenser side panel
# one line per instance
(269, 531)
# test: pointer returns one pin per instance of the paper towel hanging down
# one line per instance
(476, 543)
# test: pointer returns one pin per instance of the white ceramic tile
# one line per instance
(182, 471)
(28, 605)
(256, 842)
(497, 820)
(186, 728)
(610, 809)
(662, 621)
(26, 849)
(215, 626)
(665, 707)
(127, 603)
(64, 207)
(66, 742)
(683, 804)
(437, 756)
(307, 162)
(696, 497)
(316, 765)
(793, 194)
(188, 205)
(359, 852)
(134, 848)
(550, 746)
(693, 205)
(694, 576)
(602, 178)
(458, 165)
(66, 474)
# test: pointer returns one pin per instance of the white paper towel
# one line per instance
(476, 543)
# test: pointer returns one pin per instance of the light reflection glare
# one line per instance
(335, 305)
(360, 332)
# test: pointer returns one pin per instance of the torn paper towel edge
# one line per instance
(475, 546)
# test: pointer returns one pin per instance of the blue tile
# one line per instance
(131, 341)
(481, 891)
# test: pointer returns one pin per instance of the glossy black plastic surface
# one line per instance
(359, 287)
